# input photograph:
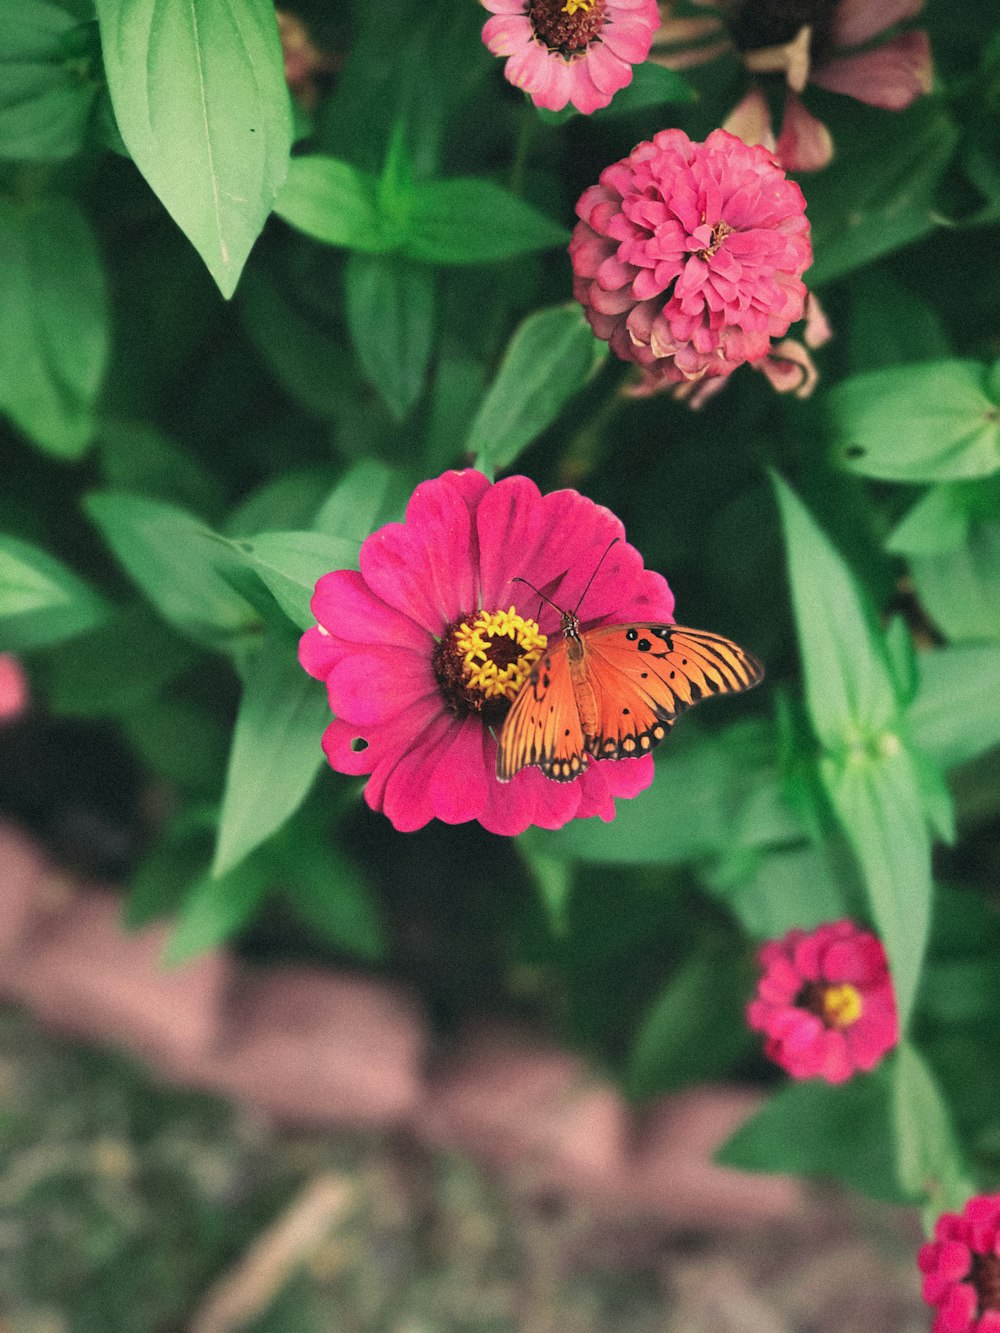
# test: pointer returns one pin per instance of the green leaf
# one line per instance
(789, 886)
(335, 203)
(877, 799)
(390, 315)
(368, 495)
(891, 326)
(53, 323)
(867, 204)
(168, 870)
(41, 601)
(175, 560)
(937, 522)
(120, 665)
(289, 564)
(328, 892)
(184, 743)
(960, 589)
(550, 356)
(199, 92)
(215, 909)
(928, 1159)
(929, 422)
(696, 1028)
(956, 714)
(811, 1128)
(474, 221)
(848, 685)
(49, 78)
(276, 752)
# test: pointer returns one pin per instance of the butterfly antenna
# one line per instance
(517, 579)
(593, 576)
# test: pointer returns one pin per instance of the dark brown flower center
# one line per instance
(567, 26)
(758, 24)
(719, 233)
(482, 660)
(838, 1006)
(986, 1280)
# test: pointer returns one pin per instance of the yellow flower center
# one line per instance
(841, 1005)
(571, 6)
(482, 660)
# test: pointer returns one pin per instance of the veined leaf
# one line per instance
(41, 601)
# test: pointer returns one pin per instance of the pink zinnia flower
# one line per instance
(961, 1268)
(823, 42)
(825, 1002)
(579, 51)
(688, 258)
(423, 650)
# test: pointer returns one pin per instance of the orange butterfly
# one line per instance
(613, 693)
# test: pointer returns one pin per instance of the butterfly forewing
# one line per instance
(543, 725)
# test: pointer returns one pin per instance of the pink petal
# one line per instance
(404, 795)
(425, 567)
(857, 21)
(628, 39)
(319, 653)
(527, 69)
(805, 144)
(890, 77)
(371, 687)
(457, 787)
(750, 120)
(505, 6)
(345, 605)
(355, 750)
(14, 692)
(506, 33)
(608, 72)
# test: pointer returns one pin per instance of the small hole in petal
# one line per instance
(359, 744)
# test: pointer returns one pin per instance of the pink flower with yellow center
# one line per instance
(961, 1268)
(424, 647)
(578, 51)
(688, 257)
(825, 1002)
(832, 44)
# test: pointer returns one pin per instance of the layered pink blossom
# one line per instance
(417, 709)
(577, 51)
(688, 258)
(961, 1268)
(817, 43)
(825, 1002)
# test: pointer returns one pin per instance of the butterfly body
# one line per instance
(613, 692)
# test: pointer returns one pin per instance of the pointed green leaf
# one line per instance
(390, 315)
(937, 522)
(276, 752)
(328, 892)
(550, 356)
(960, 588)
(41, 601)
(955, 716)
(474, 221)
(215, 909)
(289, 564)
(48, 63)
(929, 422)
(812, 1128)
(199, 92)
(53, 323)
(848, 685)
(335, 203)
(928, 1159)
(877, 798)
(368, 495)
(175, 560)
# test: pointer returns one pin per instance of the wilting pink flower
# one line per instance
(424, 648)
(305, 63)
(579, 51)
(14, 692)
(815, 41)
(825, 1002)
(688, 257)
(961, 1268)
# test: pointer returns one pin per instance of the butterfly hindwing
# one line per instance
(543, 725)
(643, 676)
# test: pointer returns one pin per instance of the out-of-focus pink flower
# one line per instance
(825, 1002)
(579, 51)
(304, 62)
(14, 692)
(423, 649)
(821, 42)
(688, 258)
(961, 1268)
